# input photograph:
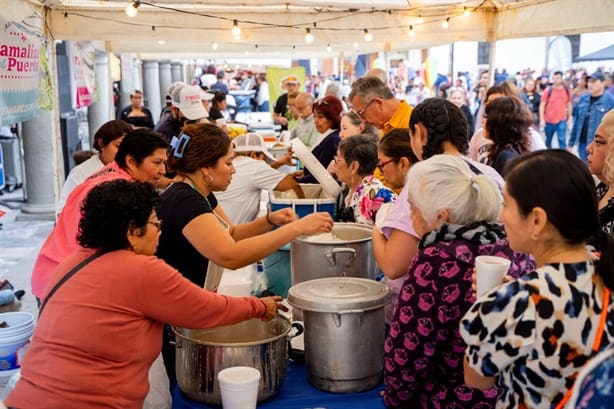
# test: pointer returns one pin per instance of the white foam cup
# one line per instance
(490, 271)
(220, 121)
(239, 387)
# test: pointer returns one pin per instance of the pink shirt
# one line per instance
(62, 240)
(102, 330)
(556, 100)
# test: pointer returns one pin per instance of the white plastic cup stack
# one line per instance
(239, 387)
(489, 271)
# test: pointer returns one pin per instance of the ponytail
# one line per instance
(604, 243)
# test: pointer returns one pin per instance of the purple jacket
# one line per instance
(424, 350)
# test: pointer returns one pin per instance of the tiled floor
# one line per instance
(20, 242)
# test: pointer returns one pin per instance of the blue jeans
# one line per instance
(582, 153)
(561, 131)
(264, 107)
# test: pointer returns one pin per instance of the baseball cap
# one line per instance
(188, 100)
(292, 79)
(252, 142)
(597, 75)
(207, 96)
(174, 86)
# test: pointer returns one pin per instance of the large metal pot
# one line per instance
(344, 331)
(201, 354)
(350, 254)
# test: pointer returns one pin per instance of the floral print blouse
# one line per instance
(366, 200)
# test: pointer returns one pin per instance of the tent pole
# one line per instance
(491, 36)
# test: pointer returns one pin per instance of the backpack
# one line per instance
(548, 92)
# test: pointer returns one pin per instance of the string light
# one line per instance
(368, 36)
(466, 13)
(161, 42)
(329, 48)
(215, 46)
(420, 19)
(355, 45)
(446, 23)
(411, 33)
(131, 9)
(236, 31)
(246, 52)
(308, 36)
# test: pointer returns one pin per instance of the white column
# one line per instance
(101, 111)
(127, 77)
(137, 75)
(165, 79)
(176, 71)
(39, 140)
(151, 86)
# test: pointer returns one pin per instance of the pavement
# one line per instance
(20, 242)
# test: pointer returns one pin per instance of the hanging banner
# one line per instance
(83, 57)
(20, 51)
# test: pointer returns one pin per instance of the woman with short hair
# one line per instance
(356, 160)
(455, 213)
(100, 324)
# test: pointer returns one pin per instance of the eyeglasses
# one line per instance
(156, 223)
(364, 109)
(382, 165)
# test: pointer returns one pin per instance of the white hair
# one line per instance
(445, 182)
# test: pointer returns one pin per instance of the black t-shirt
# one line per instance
(180, 205)
(138, 121)
(281, 108)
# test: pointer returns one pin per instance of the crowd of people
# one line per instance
(148, 226)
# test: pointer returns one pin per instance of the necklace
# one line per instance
(195, 187)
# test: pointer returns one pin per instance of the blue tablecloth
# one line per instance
(297, 393)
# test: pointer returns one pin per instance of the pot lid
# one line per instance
(318, 171)
(338, 294)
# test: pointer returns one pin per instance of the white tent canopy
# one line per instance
(183, 28)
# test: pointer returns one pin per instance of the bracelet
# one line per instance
(268, 218)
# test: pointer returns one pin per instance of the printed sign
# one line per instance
(20, 52)
(82, 56)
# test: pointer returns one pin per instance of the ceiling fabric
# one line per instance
(275, 29)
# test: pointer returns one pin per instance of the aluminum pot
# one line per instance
(201, 354)
(350, 254)
(344, 331)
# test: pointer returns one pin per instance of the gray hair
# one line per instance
(369, 88)
(307, 96)
(445, 182)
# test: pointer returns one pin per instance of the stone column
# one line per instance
(165, 79)
(101, 111)
(40, 159)
(176, 71)
(137, 79)
(127, 78)
(151, 86)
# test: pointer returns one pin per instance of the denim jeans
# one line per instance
(264, 107)
(561, 131)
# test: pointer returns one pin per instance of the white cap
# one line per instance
(252, 142)
(174, 86)
(188, 99)
(207, 96)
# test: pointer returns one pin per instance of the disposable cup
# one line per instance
(490, 271)
(220, 121)
(239, 387)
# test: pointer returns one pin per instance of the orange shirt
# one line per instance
(400, 119)
(102, 330)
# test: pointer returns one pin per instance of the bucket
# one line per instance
(14, 342)
(278, 272)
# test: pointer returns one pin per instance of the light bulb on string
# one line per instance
(368, 36)
(308, 36)
(420, 19)
(329, 48)
(411, 33)
(236, 31)
(131, 9)
(215, 46)
(355, 45)
(466, 13)
(446, 23)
